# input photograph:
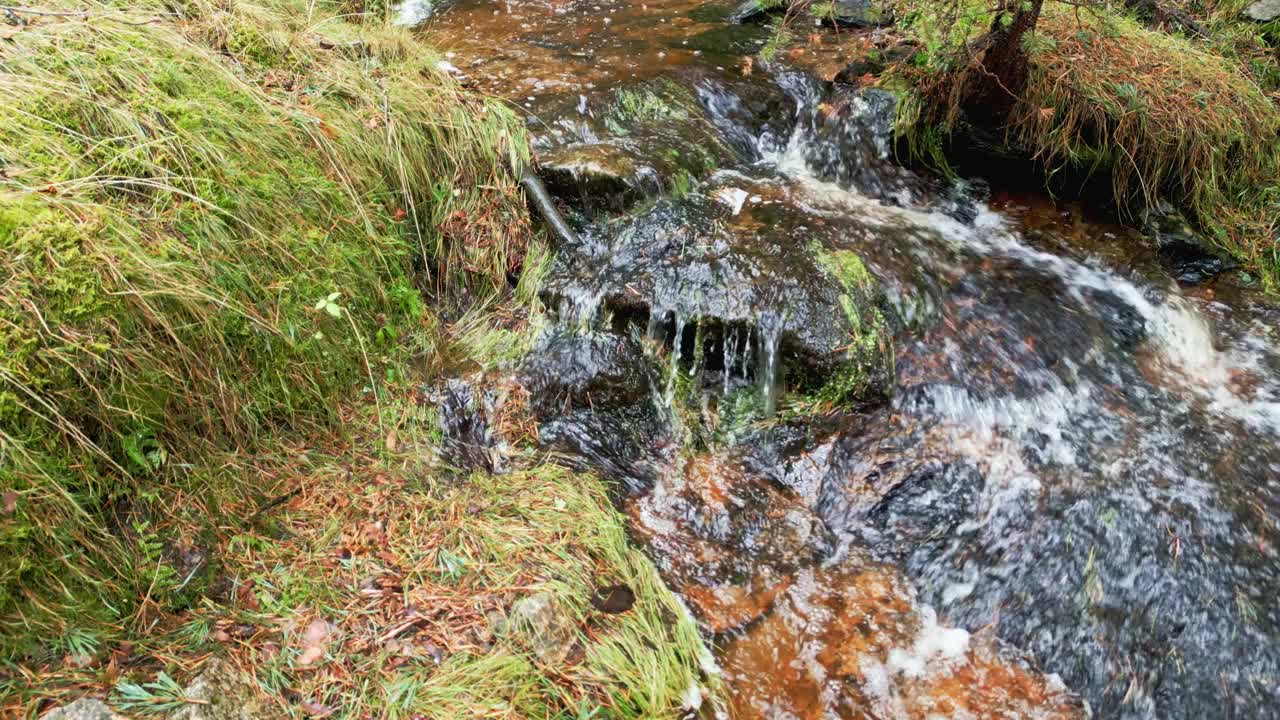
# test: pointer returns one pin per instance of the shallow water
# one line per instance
(1068, 497)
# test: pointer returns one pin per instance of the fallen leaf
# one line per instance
(391, 441)
(317, 710)
(10, 503)
(317, 631)
(311, 655)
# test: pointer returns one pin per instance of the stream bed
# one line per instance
(906, 447)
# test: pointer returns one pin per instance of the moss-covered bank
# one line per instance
(218, 220)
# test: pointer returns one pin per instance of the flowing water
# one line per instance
(1057, 491)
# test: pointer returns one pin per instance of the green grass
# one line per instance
(1163, 116)
(210, 230)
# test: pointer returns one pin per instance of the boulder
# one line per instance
(628, 143)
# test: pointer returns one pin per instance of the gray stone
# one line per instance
(1263, 10)
(220, 692)
(82, 709)
(544, 627)
(853, 13)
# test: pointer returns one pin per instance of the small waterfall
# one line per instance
(730, 346)
(676, 343)
(580, 307)
(767, 352)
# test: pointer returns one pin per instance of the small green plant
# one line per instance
(81, 642)
(162, 695)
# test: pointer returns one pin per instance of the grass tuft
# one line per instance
(1162, 115)
(215, 219)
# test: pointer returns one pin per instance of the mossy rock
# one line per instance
(653, 138)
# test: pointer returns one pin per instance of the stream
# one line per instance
(906, 447)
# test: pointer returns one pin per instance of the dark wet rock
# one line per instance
(852, 145)
(625, 447)
(220, 692)
(466, 413)
(597, 175)
(1186, 254)
(753, 117)
(568, 369)
(853, 13)
(688, 262)
(83, 709)
(1263, 10)
(628, 143)
(931, 503)
(754, 11)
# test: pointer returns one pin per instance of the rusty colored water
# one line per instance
(522, 50)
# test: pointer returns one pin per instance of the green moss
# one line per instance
(174, 200)
(869, 351)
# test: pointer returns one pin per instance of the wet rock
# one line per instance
(83, 709)
(625, 447)
(546, 628)
(466, 414)
(628, 143)
(568, 369)
(755, 282)
(1186, 254)
(728, 541)
(852, 13)
(1263, 10)
(596, 175)
(754, 11)
(850, 642)
(220, 692)
(854, 142)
